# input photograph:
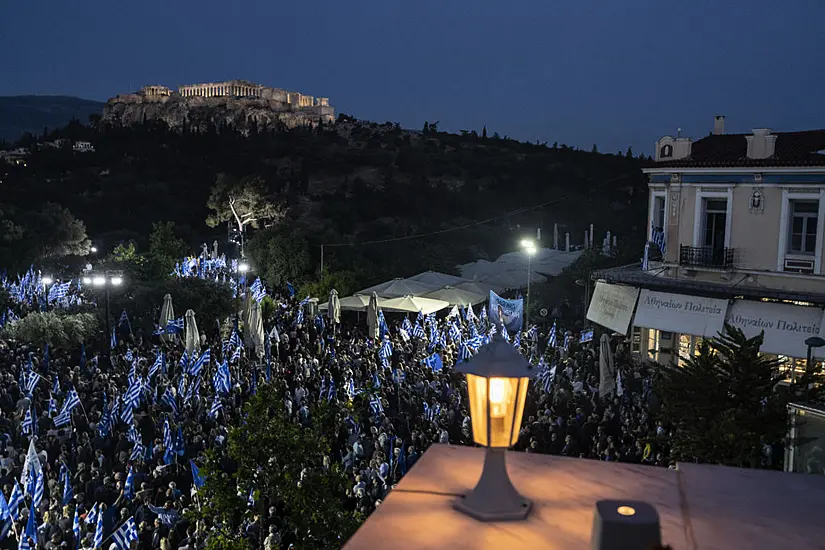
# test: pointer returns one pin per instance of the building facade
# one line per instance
(738, 220)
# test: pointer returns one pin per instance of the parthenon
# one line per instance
(244, 89)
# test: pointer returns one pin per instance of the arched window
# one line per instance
(667, 151)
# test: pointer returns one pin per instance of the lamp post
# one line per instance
(497, 380)
(530, 248)
(105, 280)
(812, 342)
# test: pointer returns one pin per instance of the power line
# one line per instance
(469, 225)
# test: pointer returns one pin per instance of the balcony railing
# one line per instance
(706, 256)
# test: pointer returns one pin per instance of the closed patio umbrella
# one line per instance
(192, 339)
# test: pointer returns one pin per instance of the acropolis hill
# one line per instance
(235, 103)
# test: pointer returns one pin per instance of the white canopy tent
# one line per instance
(510, 270)
(457, 296)
(351, 303)
(414, 304)
(436, 280)
(398, 288)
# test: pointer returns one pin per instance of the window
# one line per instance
(715, 220)
(666, 151)
(658, 214)
(802, 234)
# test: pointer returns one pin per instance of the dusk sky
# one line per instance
(584, 72)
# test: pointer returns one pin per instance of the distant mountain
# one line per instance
(32, 113)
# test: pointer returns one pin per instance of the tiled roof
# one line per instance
(731, 150)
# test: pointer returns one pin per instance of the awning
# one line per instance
(786, 326)
(680, 313)
(413, 304)
(612, 306)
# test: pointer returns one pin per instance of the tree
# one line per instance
(56, 329)
(484, 132)
(243, 202)
(725, 404)
(293, 476)
(345, 282)
(279, 254)
(629, 153)
(594, 149)
(165, 249)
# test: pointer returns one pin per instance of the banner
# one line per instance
(680, 313)
(508, 312)
(612, 306)
(786, 326)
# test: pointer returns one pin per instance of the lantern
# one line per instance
(497, 379)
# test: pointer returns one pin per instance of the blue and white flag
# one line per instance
(199, 364)
(197, 479)
(545, 375)
(15, 500)
(434, 362)
(98, 538)
(376, 406)
(28, 423)
(125, 534)
(216, 407)
(552, 339)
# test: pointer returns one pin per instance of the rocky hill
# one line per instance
(201, 114)
(33, 113)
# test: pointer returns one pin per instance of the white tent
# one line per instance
(436, 280)
(457, 296)
(397, 288)
(476, 287)
(414, 304)
(351, 303)
(510, 270)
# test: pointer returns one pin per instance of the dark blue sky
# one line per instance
(578, 72)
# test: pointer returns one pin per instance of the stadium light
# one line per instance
(497, 380)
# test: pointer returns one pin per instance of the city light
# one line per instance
(47, 280)
(99, 280)
(243, 267)
(117, 281)
(87, 280)
(93, 250)
(529, 246)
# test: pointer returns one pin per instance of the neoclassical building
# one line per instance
(245, 89)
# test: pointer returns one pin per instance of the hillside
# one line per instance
(346, 184)
(33, 113)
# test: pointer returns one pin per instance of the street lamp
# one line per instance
(47, 280)
(530, 248)
(497, 380)
(93, 250)
(105, 280)
(812, 342)
(243, 267)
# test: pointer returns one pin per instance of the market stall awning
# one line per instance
(457, 296)
(414, 304)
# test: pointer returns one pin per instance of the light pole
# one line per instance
(812, 342)
(105, 280)
(530, 248)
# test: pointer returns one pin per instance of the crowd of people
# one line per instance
(122, 471)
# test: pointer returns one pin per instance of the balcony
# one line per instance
(706, 256)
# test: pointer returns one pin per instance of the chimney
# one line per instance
(762, 144)
(718, 125)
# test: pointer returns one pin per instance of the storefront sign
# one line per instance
(680, 313)
(612, 306)
(786, 326)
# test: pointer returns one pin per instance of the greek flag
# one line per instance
(351, 388)
(129, 485)
(124, 320)
(76, 527)
(455, 333)
(533, 332)
(236, 355)
(299, 319)
(39, 488)
(222, 380)
(169, 399)
(464, 353)
(157, 365)
(434, 362)
(376, 406)
(235, 340)
(28, 423)
(517, 340)
(137, 451)
(258, 290)
(385, 352)
(331, 393)
(30, 534)
(216, 406)
(184, 361)
(5, 517)
(646, 258)
(383, 329)
(546, 375)
(124, 536)
(65, 476)
(132, 395)
(552, 338)
(407, 326)
(174, 326)
(15, 500)
(193, 390)
(31, 382)
(469, 314)
(418, 330)
(98, 539)
(202, 360)
(475, 342)
(127, 414)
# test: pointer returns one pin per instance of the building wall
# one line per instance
(758, 235)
